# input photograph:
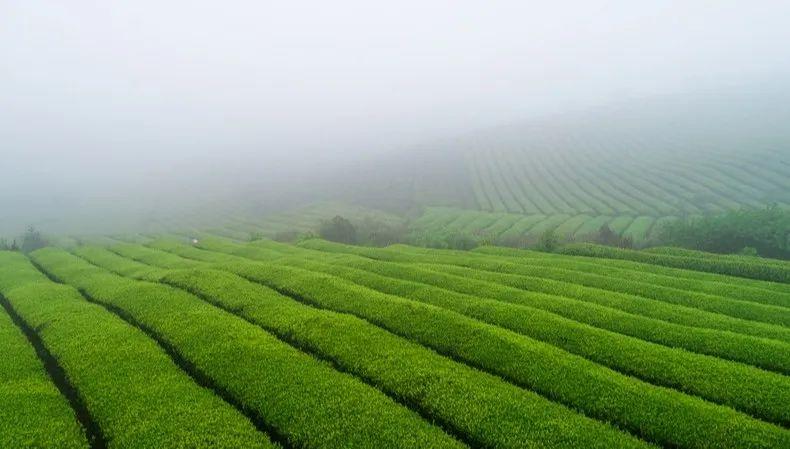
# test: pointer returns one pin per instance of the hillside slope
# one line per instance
(324, 345)
(632, 166)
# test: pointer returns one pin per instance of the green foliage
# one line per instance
(309, 235)
(531, 231)
(660, 415)
(767, 313)
(5, 246)
(494, 412)
(640, 317)
(115, 263)
(290, 235)
(32, 411)
(548, 241)
(338, 229)
(742, 266)
(727, 287)
(327, 344)
(748, 389)
(306, 401)
(608, 237)
(765, 231)
(132, 389)
(572, 181)
(32, 240)
(373, 232)
(256, 235)
(443, 238)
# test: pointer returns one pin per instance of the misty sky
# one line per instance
(130, 93)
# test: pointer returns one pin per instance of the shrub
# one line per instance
(608, 237)
(290, 236)
(766, 231)
(32, 240)
(443, 239)
(373, 232)
(5, 246)
(338, 229)
(548, 241)
(255, 236)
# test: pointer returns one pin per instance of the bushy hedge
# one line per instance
(303, 401)
(757, 392)
(767, 313)
(191, 252)
(481, 407)
(734, 308)
(33, 413)
(767, 231)
(623, 301)
(744, 268)
(666, 271)
(134, 392)
(764, 310)
(582, 304)
(719, 286)
(658, 414)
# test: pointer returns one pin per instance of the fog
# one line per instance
(109, 106)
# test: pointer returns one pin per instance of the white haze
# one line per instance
(108, 103)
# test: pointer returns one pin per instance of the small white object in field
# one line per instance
(194, 241)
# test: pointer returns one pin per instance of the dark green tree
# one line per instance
(339, 230)
(32, 240)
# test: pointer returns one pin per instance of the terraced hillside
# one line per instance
(307, 218)
(557, 175)
(168, 343)
(632, 166)
(575, 180)
(510, 228)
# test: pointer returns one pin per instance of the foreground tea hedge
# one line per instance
(133, 391)
(480, 407)
(752, 390)
(660, 415)
(33, 413)
(698, 332)
(327, 346)
(483, 408)
(312, 406)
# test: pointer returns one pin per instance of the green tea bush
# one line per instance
(483, 408)
(760, 393)
(660, 415)
(743, 268)
(33, 413)
(313, 405)
(135, 393)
